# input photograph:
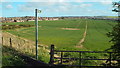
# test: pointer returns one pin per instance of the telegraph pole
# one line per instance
(36, 29)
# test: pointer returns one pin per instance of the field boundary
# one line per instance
(20, 44)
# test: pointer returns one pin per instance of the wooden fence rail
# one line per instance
(61, 56)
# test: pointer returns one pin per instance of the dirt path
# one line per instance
(80, 45)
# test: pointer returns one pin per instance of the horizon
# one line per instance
(64, 16)
(56, 9)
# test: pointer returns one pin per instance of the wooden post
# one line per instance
(110, 59)
(2, 40)
(61, 59)
(10, 42)
(52, 55)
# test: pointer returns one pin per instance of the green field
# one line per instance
(96, 34)
(51, 32)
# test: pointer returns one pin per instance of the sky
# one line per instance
(55, 8)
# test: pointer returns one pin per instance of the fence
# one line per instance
(17, 43)
(80, 58)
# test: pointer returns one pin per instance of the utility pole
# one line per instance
(36, 29)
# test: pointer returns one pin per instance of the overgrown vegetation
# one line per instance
(10, 57)
(115, 35)
(5, 27)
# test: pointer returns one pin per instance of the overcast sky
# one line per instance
(53, 8)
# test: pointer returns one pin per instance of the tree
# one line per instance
(115, 35)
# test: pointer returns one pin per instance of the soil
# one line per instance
(70, 29)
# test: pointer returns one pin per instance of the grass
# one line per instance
(112, 16)
(96, 35)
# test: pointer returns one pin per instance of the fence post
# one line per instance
(10, 42)
(2, 40)
(52, 54)
(61, 59)
(110, 58)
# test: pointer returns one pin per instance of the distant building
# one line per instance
(32, 18)
(26, 18)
